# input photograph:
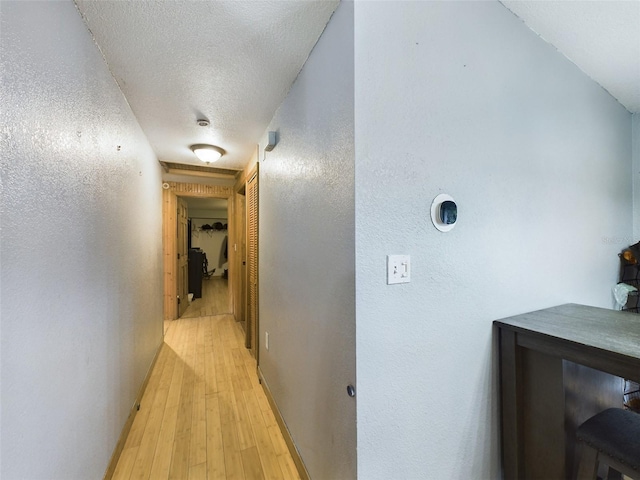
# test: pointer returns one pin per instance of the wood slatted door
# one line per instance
(240, 295)
(183, 257)
(252, 264)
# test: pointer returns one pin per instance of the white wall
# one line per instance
(636, 177)
(81, 311)
(462, 98)
(306, 256)
(210, 241)
(217, 215)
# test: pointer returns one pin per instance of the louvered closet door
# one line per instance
(252, 264)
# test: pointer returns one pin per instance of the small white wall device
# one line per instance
(271, 142)
(444, 212)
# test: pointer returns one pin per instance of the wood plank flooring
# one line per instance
(203, 414)
(214, 301)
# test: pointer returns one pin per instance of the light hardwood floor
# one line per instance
(214, 301)
(203, 414)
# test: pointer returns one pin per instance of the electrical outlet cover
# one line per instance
(398, 269)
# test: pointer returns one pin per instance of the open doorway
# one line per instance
(175, 206)
(208, 253)
(237, 272)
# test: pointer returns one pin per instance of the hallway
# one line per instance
(204, 414)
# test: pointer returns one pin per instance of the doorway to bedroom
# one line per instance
(196, 222)
(208, 257)
(199, 260)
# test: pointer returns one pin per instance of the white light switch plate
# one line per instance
(398, 269)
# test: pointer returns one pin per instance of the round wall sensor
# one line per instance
(444, 212)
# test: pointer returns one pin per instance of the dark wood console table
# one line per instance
(558, 367)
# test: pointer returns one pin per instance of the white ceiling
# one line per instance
(231, 62)
(601, 37)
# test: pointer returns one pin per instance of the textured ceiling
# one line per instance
(601, 37)
(231, 62)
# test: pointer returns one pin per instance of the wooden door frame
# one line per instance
(182, 256)
(240, 300)
(170, 193)
(251, 330)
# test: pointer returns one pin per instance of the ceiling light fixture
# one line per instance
(207, 153)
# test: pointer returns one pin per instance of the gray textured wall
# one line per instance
(636, 177)
(462, 98)
(80, 248)
(307, 276)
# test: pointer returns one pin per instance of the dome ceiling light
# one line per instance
(207, 153)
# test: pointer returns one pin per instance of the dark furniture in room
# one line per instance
(559, 367)
(197, 259)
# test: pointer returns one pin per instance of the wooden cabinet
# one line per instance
(196, 267)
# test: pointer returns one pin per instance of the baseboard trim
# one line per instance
(293, 450)
(111, 468)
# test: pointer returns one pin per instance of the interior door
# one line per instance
(183, 256)
(240, 257)
(252, 264)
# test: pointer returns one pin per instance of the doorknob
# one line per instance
(351, 390)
